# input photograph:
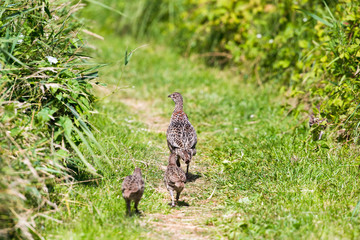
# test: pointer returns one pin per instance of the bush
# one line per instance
(44, 102)
(311, 47)
(329, 81)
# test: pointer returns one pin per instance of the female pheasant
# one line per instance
(133, 189)
(181, 135)
(174, 178)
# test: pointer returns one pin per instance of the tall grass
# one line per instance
(45, 99)
(143, 19)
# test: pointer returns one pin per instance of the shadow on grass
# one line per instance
(180, 204)
(135, 214)
(192, 177)
(139, 213)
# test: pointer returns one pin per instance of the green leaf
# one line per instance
(48, 12)
(316, 17)
(127, 57)
(66, 124)
(45, 114)
(303, 43)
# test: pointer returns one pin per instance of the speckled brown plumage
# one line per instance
(318, 125)
(181, 135)
(133, 189)
(174, 178)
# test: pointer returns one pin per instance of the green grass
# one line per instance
(268, 178)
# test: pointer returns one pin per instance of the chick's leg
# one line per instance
(128, 207)
(178, 161)
(172, 197)
(136, 206)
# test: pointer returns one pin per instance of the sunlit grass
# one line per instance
(271, 180)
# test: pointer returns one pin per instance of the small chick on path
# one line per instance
(181, 136)
(133, 189)
(174, 178)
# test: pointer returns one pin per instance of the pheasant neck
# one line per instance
(178, 107)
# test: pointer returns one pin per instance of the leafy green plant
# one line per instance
(45, 100)
(331, 86)
(313, 48)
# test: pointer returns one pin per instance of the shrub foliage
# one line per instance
(309, 47)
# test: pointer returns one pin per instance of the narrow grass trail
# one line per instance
(182, 222)
(255, 174)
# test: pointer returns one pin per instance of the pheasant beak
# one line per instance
(169, 95)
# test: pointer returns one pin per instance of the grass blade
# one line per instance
(107, 7)
(314, 16)
(90, 168)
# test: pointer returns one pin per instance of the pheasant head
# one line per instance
(137, 172)
(178, 100)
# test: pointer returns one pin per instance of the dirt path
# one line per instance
(143, 109)
(152, 119)
(190, 219)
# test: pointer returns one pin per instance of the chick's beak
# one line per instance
(169, 95)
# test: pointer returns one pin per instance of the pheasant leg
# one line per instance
(172, 198)
(177, 196)
(136, 207)
(128, 207)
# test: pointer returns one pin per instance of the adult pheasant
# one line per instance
(181, 135)
(133, 189)
(174, 178)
